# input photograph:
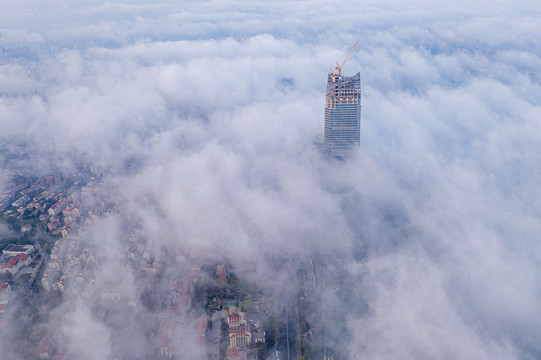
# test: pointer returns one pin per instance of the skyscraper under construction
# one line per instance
(342, 113)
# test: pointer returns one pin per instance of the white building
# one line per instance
(14, 264)
(14, 250)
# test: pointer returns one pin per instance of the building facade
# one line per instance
(14, 264)
(342, 115)
(14, 250)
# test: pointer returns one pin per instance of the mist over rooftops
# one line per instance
(187, 131)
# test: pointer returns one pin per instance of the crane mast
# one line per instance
(338, 69)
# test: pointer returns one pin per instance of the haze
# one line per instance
(203, 118)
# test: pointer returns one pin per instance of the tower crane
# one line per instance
(338, 69)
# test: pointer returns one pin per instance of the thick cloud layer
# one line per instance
(204, 115)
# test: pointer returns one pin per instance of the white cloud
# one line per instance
(220, 102)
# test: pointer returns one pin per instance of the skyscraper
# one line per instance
(342, 115)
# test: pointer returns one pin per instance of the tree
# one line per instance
(148, 300)
(247, 305)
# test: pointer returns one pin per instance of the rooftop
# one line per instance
(17, 248)
(45, 344)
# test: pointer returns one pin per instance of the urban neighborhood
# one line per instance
(194, 297)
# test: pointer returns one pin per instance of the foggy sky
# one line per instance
(204, 116)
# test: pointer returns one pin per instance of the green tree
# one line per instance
(247, 305)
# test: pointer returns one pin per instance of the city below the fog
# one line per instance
(196, 296)
(210, 301)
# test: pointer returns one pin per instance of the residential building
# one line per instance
(236, 319)
(14, 264)
(169, 339)
(46, 347)
(53, 225)
(233, 320)
(45, 281)
(236, 354)
(60, 205)
(22, 201)
(239, 336)
(72, 210)
(14, 250)
(62, 354)
(220, 272)
(5, 292)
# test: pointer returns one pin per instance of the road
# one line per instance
(286, 347)
(39, 249)
(215, 334)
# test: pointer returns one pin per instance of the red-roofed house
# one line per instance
(5, 291)
(14, 264)
(71, 210)
(60, 205)
(233, 320)
(236, 354)
(62, 354)
(240, 336)
(220, 272)
(236, 319)
(201, 329)
(232, 352)
(53, 225)
(180, 256)
(45, 348)
(168, 340)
